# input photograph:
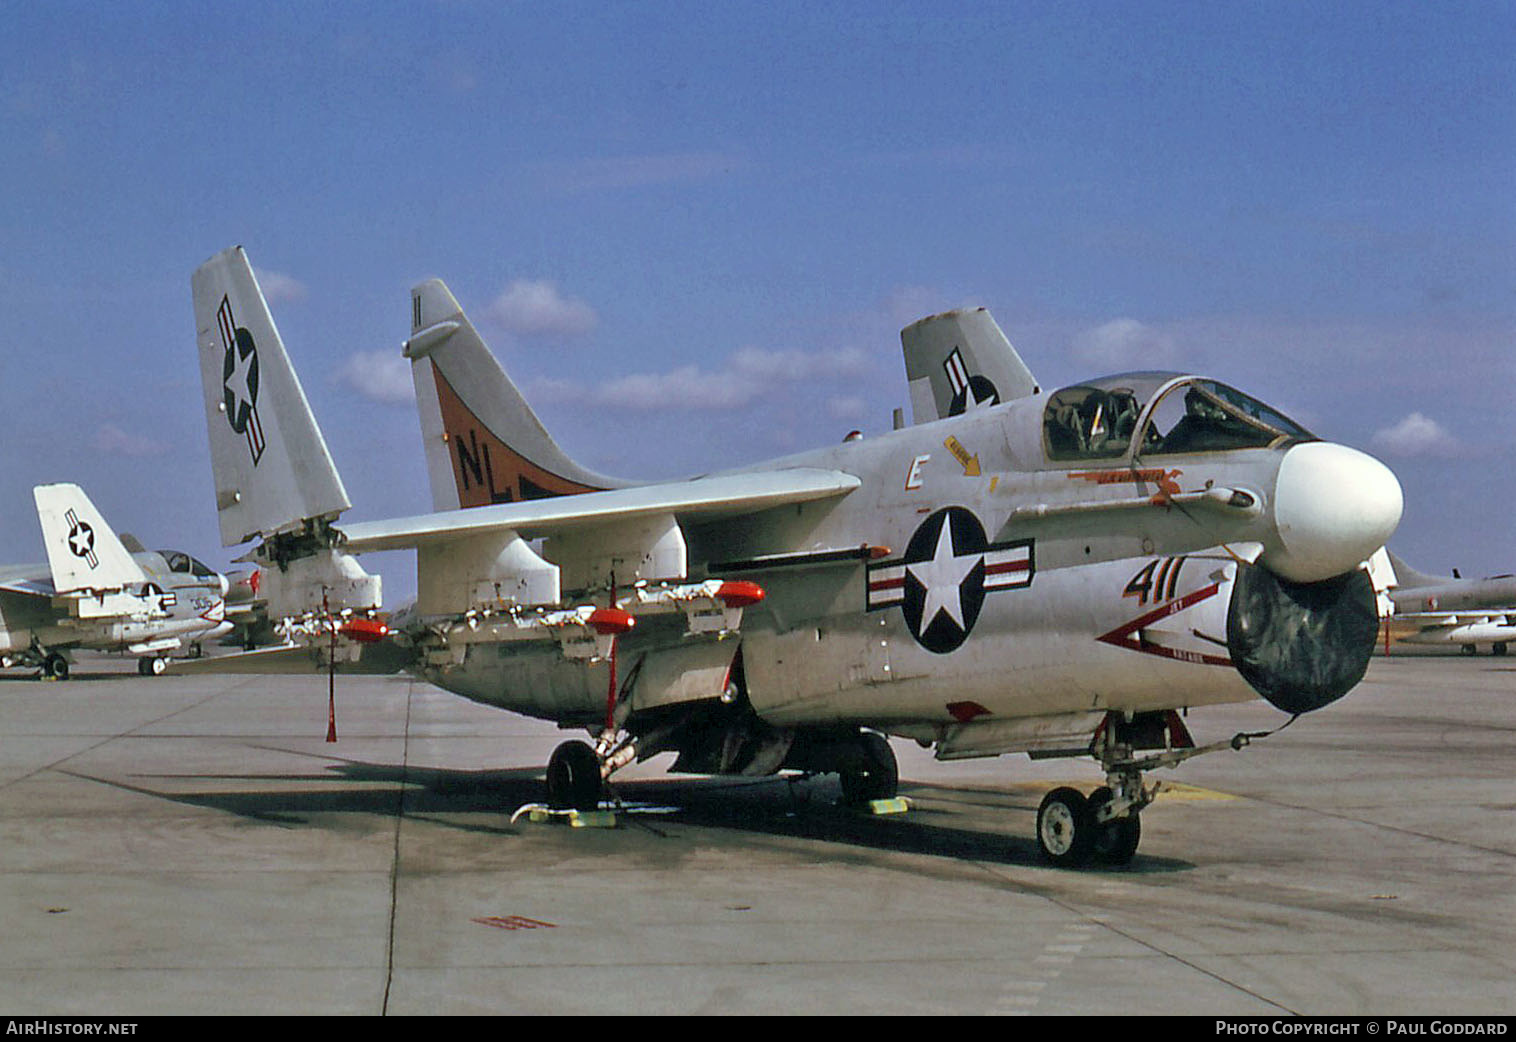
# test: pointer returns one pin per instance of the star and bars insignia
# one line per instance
(970, 390)
(239, 380)
(941, 581)
(81, 539)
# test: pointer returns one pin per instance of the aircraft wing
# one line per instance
(300, 659)
(29, 587)
(705, 498)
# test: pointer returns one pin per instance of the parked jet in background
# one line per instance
(97, 594)
(1429, 609)
(1057, 574)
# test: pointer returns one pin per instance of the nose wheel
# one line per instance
(1065, 830)
(1071, 832)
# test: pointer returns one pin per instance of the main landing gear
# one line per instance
(863, 761)
(55, 666)
(574, 781)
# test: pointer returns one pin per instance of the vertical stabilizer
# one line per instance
(958, 361)
(1408, 578)
(272, 468)
(483, 442)
(82, 550)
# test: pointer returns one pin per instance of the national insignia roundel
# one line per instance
(941, 581)
(239, 378)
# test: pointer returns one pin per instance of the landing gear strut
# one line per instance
(1107, 827)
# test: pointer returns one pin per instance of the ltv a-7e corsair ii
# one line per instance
(1059, 573)
(98, 594)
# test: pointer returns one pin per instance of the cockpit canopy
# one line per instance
(179, 561)
(1099, 419)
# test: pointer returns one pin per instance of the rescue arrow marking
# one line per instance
(969, 463)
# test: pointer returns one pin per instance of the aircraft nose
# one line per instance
(1333, 507)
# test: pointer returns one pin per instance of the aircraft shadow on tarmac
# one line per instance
(801, 808)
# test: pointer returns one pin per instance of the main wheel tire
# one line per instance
(55, 666)
(876, 775)
(573, 778)
(1114, 842)
(1064, 830)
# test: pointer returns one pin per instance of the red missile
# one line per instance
(739, 593)
(364, 630)
(611, 622)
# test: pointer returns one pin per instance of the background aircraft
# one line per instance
(97, 593)
(1429, 609)
(1058, 574)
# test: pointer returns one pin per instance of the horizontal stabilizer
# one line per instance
(82, 550)
(30, 587)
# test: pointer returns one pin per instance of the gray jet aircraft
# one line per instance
(1430, 609)
(97, 594)
(1059, 574)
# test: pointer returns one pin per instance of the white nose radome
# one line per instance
(1333, 507)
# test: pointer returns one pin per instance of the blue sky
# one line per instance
(693, 231)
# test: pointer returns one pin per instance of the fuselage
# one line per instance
(1001, 571)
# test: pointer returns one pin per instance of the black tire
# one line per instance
(55, 666)
(1113, 842)
(1499, 648)
(1064, 831)
(875, 776)
(573, 778)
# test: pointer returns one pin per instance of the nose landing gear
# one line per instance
(1106, 826)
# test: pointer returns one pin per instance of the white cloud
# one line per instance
(536, 308)
(685, 387)
(771, 367)
(1124, 344)
(278, 286)
(113, 441)
(381, 376)
(748, 375)
(1417, 435)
